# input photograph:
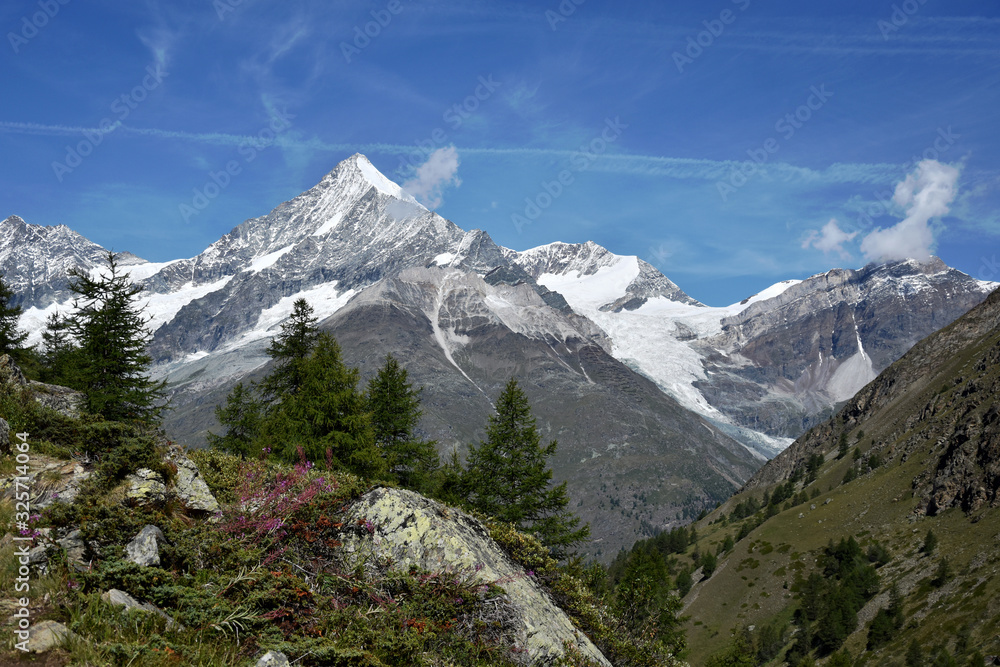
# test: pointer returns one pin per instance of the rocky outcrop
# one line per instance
(144, 549)
(50, 480)
(412, 531)
(4, 436)
(63, 400)
(189, 487)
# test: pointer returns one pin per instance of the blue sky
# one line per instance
(716, 140)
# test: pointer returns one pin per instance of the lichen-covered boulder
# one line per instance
(144, 549)
(411, 530)
(146, 487)
(189, 486)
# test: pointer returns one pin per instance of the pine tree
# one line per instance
(242, 417)
(326, 416)
(61, 357)
(930, 543)
(394, 406)
(11, 337)
(112, 334)
(289, 351)
(507, 476)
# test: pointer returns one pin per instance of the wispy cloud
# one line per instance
(831, 238)
(614, 163)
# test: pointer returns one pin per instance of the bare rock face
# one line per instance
(412, 530)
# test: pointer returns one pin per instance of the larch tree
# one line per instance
(242, 416)
(111, 331)
(290, 350)
(394, 406)
(508, 476)
(11, 337)
(326, 417)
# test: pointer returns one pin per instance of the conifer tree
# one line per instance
(11, 337)
(508, 478)
(61, 357)
(289, 351)
(242, 417)
(394, 406)
(112, 334)
(326, 416)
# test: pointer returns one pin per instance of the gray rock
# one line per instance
(273, 659)
(74, 546)
(145, 548)
(4, 437)
(146, 488)
(63, 400)
(408, 529)
(189, 487)
(10, 374)
(47, 635)
(122, 599)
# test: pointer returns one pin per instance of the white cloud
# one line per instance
(433, 176)
(830, 239)
(924, 195)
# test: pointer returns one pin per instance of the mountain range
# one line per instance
(662, 406)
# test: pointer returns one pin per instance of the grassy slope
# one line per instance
(752, 585)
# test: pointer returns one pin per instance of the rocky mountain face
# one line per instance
(938, 400)
(34, 260)
(661, 405)
(771, 366)
(916, 451)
